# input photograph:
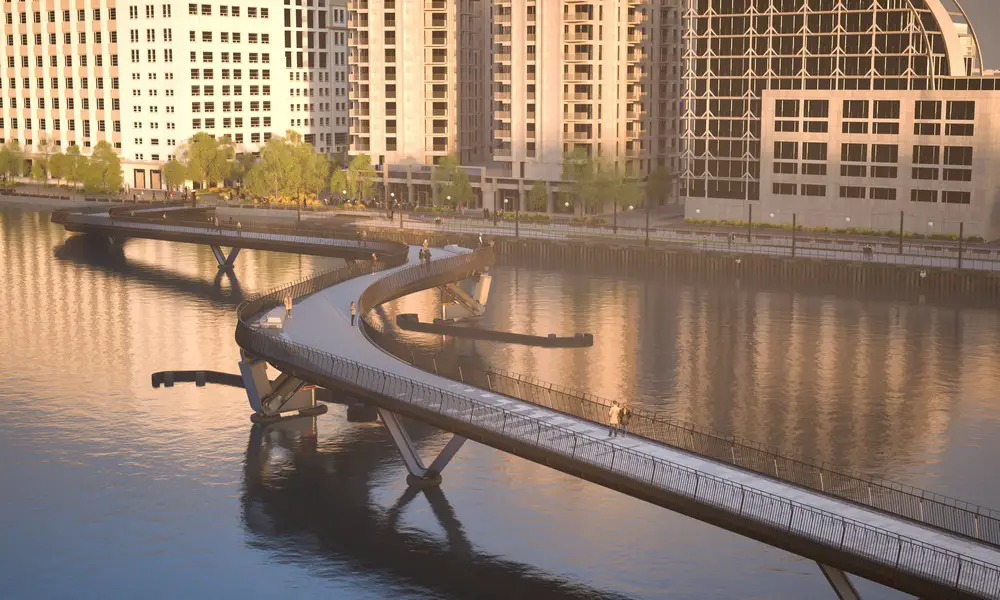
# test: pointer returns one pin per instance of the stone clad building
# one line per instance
(846, 113)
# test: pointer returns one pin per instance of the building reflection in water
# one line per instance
(860, 381)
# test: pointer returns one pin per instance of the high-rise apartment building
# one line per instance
(599, 74)
(844, 113)
(418, 79)
(509, 86)
(147, 76)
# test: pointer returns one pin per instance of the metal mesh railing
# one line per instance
(888, 552)
(949, 514)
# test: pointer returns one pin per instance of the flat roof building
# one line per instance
(845, 113)
(146, 77)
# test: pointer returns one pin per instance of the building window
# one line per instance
(878, 193)
(952, 197)
(786, 150)
(928, 110)
(961, 110)
(926, 155)
(923, 195)
(784, 189)
(852, 191)
(809, 189)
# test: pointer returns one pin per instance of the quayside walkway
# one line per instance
(319, 345)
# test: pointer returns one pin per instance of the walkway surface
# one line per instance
(926, 254)
(322, 322)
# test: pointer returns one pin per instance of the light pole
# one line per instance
(614, 218)
(390, 204)
(961, 234)
(343, 194)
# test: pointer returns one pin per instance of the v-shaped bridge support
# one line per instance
(225, 262)
(419, 474)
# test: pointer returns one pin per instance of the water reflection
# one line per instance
(868, 383)
(314, 505)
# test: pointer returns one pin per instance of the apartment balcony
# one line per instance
(359, 112)
(578, 136)
(390, 131)
(633, 95)
(637, 37)
(502, 57)
(638, 18)
(435, 4)
(502, 38)
(501, 115)
(636, 56)
(636, 132)
(578, 116)
(579, 76)
(576, 16)
(529, 96)
(501, 76)
(439, 112)
(574, 97)
(502, 96)
(635, 152)
(580, 36)
(503, 19)
(578, 57)
(501, 152)
(439, 130)
(530, 116)
(634, 115)
(502, 134)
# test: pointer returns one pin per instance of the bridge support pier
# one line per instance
(225, 262)
(420, 475)
(275, 400)
(841, 585)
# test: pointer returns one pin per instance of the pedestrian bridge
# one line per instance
(911, 540)
(319, 345)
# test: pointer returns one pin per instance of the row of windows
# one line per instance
(223, 56)
(874, 193)
(227, 106)
(225, 37)
(792, 189)
(81, 15)
(226, 74)
(67, 61)
(70, 103)
(926, 110)
(67, 38)
(54, 83)
(15, 123)
(880, 153)
(227, 11)
(86, 143)
(209, 90)
(228, 122)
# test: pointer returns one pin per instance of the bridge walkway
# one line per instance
(876, 545)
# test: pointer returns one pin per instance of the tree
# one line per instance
(580, 170)
(174, 174)
(241, 167)
(361, 177)
(538, 197)
(11, 160)
(59, 166)
(660, 184)
(451, 182)
(104, 171)
(38, 172)
(313, 167)
(276, 173)
(208, 159)
(338, 181)
(76, 164)
(46, 148)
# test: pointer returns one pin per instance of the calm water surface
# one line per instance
(112, 489)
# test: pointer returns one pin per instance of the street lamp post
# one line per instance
(961, 234)
(614, 218)
(647, 220)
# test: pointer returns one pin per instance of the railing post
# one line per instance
(732, 450)
(822, 486)
(743, 497)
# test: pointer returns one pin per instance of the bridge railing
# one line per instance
(891, 552)
(946, 513)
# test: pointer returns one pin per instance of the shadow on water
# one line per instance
(315, 507)
(95, 252)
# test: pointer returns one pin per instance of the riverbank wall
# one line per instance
(784, 271)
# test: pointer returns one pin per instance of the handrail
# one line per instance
(949, 514)
(885, 549)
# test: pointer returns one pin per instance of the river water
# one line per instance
(113, 489)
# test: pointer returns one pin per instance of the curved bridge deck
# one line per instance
(318, 344)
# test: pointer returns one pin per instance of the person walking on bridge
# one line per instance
(624, 418)
(374, 263)
(614, 419)
(288, 305)
(354, 313)
(239, 228)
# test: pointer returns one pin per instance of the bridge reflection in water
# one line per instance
(314, 505)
